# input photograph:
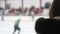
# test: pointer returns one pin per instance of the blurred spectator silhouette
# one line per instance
(26, 11)
(39, 11)
(50, 25)
(11, 12)
(1, 10)
(32, 10)
(47, 5)
(20, 10)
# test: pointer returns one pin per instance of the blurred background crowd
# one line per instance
(21, 10)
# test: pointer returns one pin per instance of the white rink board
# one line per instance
(23, 18)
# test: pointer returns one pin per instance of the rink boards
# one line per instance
(22, 18)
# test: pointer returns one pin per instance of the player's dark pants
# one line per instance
(16, 28)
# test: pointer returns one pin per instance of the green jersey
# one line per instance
(17, 22)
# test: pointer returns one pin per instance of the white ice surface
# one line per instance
(27, 25)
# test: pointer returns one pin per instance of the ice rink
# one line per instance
(26, 24)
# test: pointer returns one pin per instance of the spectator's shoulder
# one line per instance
(41, 19)
(39, 22)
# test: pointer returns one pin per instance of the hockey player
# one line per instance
(16, 26)
(32, 15)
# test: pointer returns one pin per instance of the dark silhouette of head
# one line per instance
(55, 9)
(40, 26)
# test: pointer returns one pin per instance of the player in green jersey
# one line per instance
(16, 26)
